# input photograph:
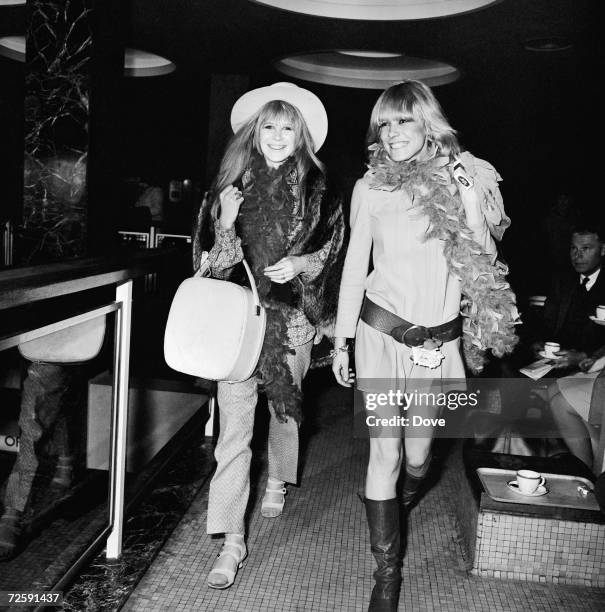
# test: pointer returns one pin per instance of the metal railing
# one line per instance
(7, 243)
(21, 286)
(152, 239)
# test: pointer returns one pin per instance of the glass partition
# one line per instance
(55, 431)
(84, 389)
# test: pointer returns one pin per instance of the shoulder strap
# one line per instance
(204, 271)
(252, 286)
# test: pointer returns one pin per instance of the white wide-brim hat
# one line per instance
(306, 102)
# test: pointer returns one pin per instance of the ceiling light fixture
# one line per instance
(365, 69)
(13, 47)
(548, 44)
(137, 63)
(385, 10)
(12, 2)
(370, 53)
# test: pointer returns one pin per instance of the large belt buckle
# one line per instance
(412, 336)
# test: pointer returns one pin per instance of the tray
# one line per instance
(562, 490)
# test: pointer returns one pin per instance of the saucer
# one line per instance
(597, 321)
(545, 356)
(513, 486)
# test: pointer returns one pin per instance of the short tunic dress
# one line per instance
(410, 278)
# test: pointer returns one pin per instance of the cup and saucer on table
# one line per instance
(599, 316)
(528, 483)
(550, 350)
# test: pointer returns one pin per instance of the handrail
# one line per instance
(15, 338)
(26, 284)
(22, 285)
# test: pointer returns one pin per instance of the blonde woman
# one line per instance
(424, 210)
(272, 203)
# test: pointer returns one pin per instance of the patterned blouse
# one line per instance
(227, 252)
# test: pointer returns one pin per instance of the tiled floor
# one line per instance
(316, 556)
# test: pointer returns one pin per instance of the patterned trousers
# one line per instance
(230, 486)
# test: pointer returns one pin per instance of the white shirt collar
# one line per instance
(592, 278)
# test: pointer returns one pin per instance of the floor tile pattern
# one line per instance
(316, 556)
(544, 550)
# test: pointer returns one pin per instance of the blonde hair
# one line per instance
(415, 98)
(236, 158)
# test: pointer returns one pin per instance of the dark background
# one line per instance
(535, 115)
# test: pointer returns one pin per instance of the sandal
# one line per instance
(272, 509)
(234, 554)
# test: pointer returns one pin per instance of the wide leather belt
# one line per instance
(405, 332)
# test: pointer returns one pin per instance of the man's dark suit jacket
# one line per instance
(567, 310)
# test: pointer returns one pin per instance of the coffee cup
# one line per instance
(528, 481)
(601, 311)
(550, 348)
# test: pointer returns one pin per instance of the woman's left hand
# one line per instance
(285, 269)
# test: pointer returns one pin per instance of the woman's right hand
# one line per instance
(340, 366)
(231, 199)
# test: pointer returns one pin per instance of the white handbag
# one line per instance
(215, 329)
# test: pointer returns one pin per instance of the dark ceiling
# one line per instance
(243, 36)
(508, 100)
(508, 97)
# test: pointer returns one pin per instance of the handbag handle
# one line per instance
(252, 287)
(204, 270)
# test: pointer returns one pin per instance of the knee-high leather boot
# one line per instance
(412, 482)
(385, 541)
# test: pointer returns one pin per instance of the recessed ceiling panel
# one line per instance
(365, 69)
(13, 47)
(381, 10)
(137, 63)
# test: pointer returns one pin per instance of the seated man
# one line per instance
(572, 300)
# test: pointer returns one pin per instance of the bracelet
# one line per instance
(341, 349)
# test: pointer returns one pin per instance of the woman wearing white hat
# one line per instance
(271, 203)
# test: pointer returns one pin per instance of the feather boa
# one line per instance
(488, 304)
(264, 224)
(269, 231)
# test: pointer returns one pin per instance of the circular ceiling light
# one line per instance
(548, 44)
(143, 64)
(136, 63)
(370, 53)
(365, 70)
(383, 10)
